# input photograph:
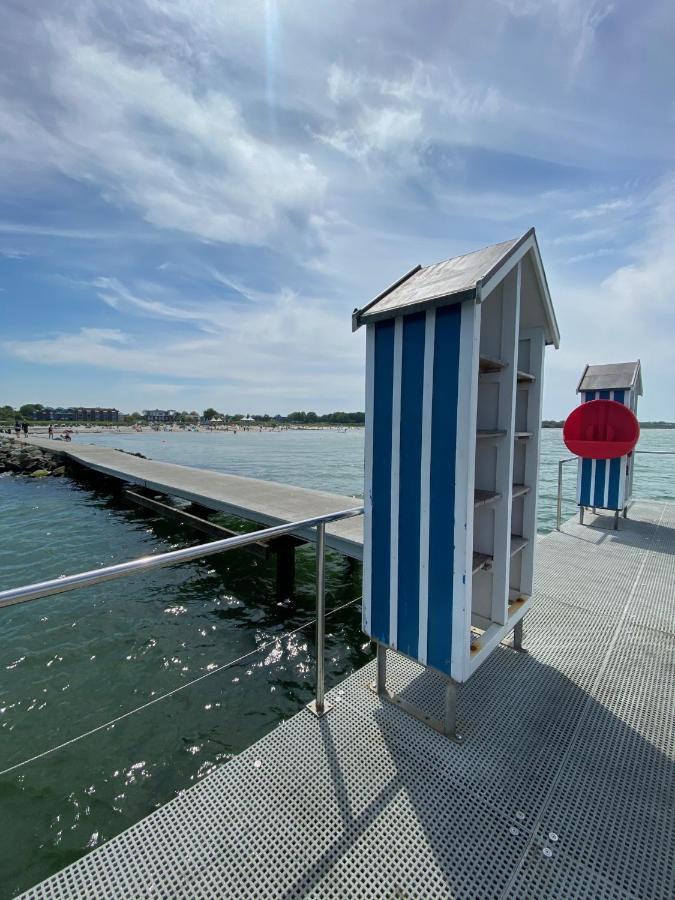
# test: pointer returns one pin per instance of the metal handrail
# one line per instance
(561, 463)
(189, 554)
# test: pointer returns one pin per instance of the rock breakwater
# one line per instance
(19, 458)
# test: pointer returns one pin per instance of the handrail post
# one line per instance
(558, 517)
(319, 705)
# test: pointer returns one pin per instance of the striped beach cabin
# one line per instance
(608, 484)
(454, 366)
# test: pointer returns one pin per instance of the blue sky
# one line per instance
(194, 196)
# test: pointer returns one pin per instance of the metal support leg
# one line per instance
(319, 706)
(450, 716)
(581, 515)
(446, 725)
(616, 520)
(381, 677)
(625, 511)
(518, 636)
(593, 511)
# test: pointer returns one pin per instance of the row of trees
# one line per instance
(27, 411)
(335, 418)
(296, 418)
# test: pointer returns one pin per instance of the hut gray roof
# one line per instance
(613, 376)
(467, 277)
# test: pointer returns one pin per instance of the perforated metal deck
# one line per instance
(562, 787)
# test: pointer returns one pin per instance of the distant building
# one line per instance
(77, 414)
(157, 416)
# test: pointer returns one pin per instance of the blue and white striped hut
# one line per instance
(453, 411)
(608, 484)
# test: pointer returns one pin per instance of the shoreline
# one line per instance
(60, 430)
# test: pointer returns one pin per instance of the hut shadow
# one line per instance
(542, 756)
(598, 529)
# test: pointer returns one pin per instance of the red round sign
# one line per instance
(601, 429)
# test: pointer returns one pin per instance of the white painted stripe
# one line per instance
(425, 486)
(395, 478)
(605, 493)
(465, 464)
(368, 479)
(593, 482)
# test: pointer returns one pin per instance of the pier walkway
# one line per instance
(262, 502)
(562, 787)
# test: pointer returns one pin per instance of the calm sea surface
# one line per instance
(72, 662)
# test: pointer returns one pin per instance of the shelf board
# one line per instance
(487, 364)
(519, 489)
(482, 498)
(518, 543)
(526, 377)
(522, 435)
(480, 561)
(483, 433)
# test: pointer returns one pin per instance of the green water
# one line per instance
(72, 662)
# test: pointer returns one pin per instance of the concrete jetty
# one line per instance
(262, 502)
(561, 788)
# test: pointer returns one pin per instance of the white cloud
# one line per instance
(184, 158)
(288, 347)
(630, 314)
(375, 114)
(602, 209)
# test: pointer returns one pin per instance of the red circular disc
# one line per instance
(601, 429)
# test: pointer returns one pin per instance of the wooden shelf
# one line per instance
(519, 489)
(518, 543)
(526, 377)
(483, 434)
(480, 561)
(487, 364)
(482, 498)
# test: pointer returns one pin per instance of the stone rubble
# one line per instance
(20, 458)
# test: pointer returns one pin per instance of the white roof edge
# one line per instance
(529, 244)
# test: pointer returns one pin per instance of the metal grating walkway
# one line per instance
(563, 787)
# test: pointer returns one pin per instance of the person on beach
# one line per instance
(50, 431)
(24, 426)
(17, 427)
(67, 437)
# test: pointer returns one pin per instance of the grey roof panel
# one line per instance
(445, 279)
(611, 376)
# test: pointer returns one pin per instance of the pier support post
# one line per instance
(518, 633)
(616, 520)
(581, 515)
(285, 576)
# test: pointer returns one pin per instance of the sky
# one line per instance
(194, 196)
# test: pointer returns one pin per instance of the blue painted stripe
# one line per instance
(381, 480)
(589, 395)
(599, 486)
(442, 494)
(615, 466)
(586, 472)
(410, 459)
(604, 395)
(619, 396)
